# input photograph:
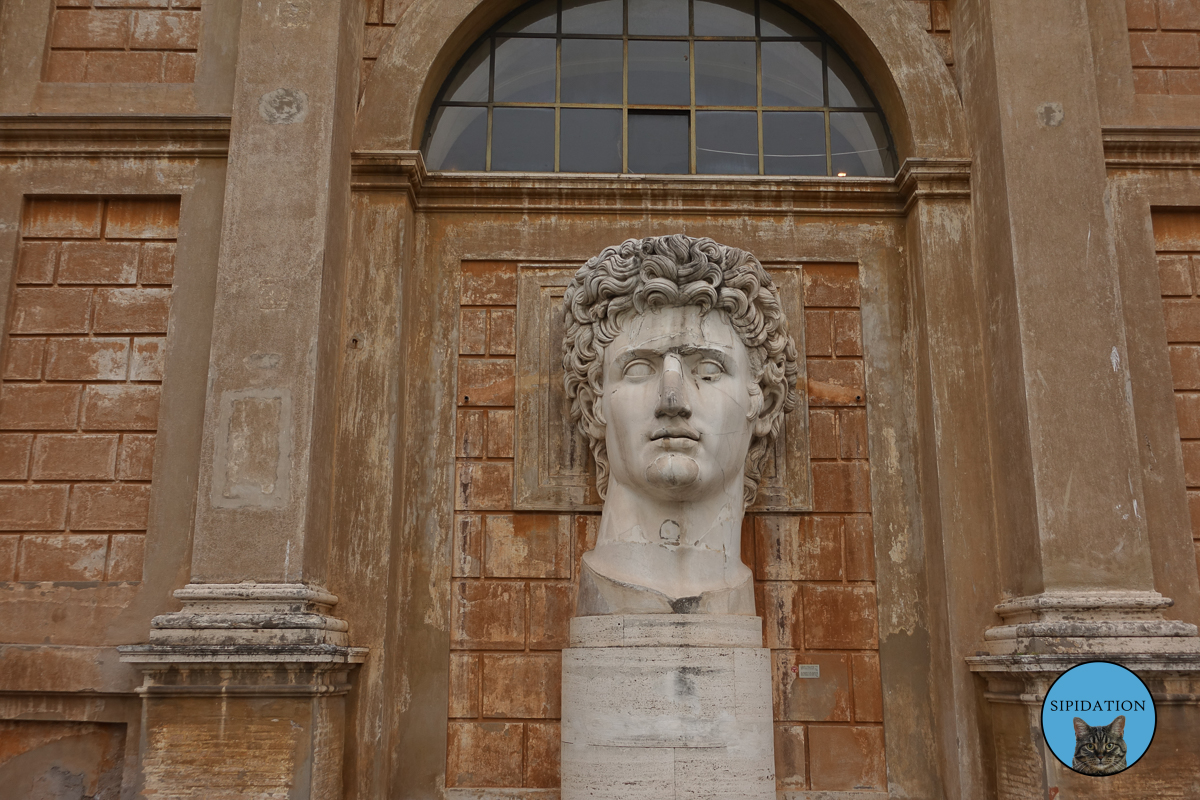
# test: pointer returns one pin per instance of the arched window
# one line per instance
(725, 87)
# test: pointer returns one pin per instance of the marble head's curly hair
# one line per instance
(665, 271)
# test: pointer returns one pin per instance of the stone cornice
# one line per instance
(1152, 148)
(113, 136)
(686, 194)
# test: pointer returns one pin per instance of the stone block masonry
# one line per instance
(124, 41)
(83, 367)
(515, 573)
(1164, 42)
(1177, 240)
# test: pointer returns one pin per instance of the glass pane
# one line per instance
(724, 17)
(524, 71)
(845, 87)
(725, 74)
(859, 144)
(592, 16)
(590, 140)
(541, 18)
(777, 21)
(659, 74)
(658, 142)
(727, 142)
(794, 143)
(792, 74)
(458, 139)
(470, 82)
(591, 71)
(658, 17)
(523, 139)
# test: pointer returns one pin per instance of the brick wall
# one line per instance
(1177, 236)
(514, 573)
(1164, 42)
(124, 41)
(83, 360)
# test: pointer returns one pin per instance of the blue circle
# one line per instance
(1098, 692)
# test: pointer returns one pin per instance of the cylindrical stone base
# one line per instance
(664, 706)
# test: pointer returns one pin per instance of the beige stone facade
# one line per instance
(287, 508)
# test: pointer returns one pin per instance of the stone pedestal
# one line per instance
(1042, 636)
(665, 706)
(243, 694)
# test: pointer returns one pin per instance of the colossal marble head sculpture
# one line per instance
(679, 369)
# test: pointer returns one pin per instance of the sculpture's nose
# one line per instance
(672, 390)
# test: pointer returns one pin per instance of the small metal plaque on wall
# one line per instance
(553, 470)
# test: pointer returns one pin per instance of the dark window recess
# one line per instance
(727, 142)
(715, 87)
(658, 17)
(523, 139)
(592, 71)
(794, 143)
(591, 140)
(659, 73)
(460, 139)
(658, 142)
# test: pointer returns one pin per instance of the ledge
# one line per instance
(404, 171)
(1046, 664)
(113, 136)
(1152, 148)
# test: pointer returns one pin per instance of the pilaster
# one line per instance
(1076, 573)
(244, 687)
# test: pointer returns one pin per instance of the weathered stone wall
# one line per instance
(1177, 241)
(124, 41)
(1164, 41)
(80, 395)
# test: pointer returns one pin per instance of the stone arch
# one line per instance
(894, 54)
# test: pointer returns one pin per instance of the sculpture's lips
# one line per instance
(675, 433)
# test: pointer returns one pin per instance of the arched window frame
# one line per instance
(815, 35)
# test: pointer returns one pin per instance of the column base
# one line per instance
(243, 693)
(665, 706)
(1044, 636)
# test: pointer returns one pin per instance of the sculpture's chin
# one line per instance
(673, 471)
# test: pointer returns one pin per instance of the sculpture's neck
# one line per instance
(712, 523)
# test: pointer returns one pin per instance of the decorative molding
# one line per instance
(1152, 148)
(113, 136)
(934, 179)
(248, 623)
(1089, 623)
(404, 170)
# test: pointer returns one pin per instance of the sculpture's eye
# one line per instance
(709, 370)
(639, 369)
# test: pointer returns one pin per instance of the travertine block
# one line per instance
(664, 706)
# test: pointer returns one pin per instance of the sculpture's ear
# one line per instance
(769, 401)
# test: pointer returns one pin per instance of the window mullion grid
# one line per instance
(692, 81)
(558, 89)
(624, 86)
(758, 81)
(491, 97)
(825, 98)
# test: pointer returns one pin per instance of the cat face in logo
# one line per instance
(1099, 749)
